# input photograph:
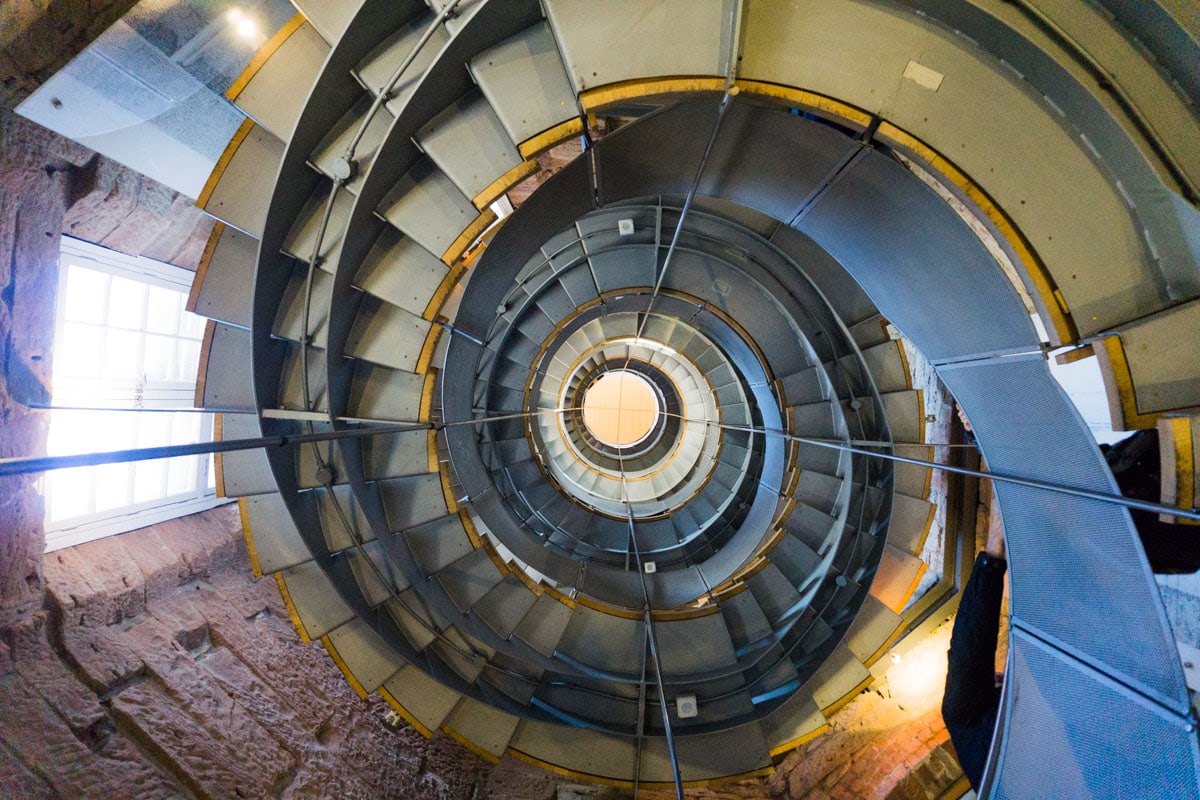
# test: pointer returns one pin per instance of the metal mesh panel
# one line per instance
(1078, 574)
(1071, 733)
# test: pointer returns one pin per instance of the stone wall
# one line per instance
(160, 668)
(35, 178)
(38, 37)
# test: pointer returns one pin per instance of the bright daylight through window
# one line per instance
(124, 344)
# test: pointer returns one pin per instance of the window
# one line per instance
(125, 355)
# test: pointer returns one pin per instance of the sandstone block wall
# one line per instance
(160, 668)
(38, 37)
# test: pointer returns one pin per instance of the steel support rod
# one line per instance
(27, 464)
(641, 720)
(17, 466)
(1002, 477)
(651, 639)
(726, 100)
(386, 92)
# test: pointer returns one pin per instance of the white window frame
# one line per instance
(85, 528)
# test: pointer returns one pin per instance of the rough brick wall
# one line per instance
(38, 37)
(161, 668)
(35, 176)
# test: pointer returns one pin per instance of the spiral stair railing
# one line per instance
(385, 290)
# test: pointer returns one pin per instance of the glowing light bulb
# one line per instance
(247, 28)
(234, 15)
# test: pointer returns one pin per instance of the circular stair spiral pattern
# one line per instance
(500, 572)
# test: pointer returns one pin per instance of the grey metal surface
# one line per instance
(838, 676)
(505, 605)
(543, 625)
(337, 536)
(1077, 570)
(365, 654)
(292, 389)
(1164, 359)
(887, 367)
(844, 294)
(426, 700)
(275, 95)
(395, 455)
(487, 727)
(677, 644)
(798, 717)
(1131, 117)
(650, 158)
(909, 524)
(525, 83)
(910, 251)
(315, 599)
(303, 236)
(379, 66)
(638, 39)
(226, 376)
(469, 578)
(329, 17)
(379, 392)
(872, 627)
(227, 286)
(237, 199)
(335, 144)
(468, 143)
(245, 472)
(277, 543)
(387, 335)
(427, 206)
(905, 413)
(400, 271)
(1072, 732)
(1014, 138)
(604, 641)
(289, 321)
(414, 500)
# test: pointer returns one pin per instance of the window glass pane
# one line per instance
(68, 493)
(122, 355)
(122, 342)
(112, 430)
(70, 432)
(188, 362)
(126, 303)
(192, 325)
(159, 364)
(85, 295)
(78, 353)
(185, 427)
(149, 480)
(162, 310)
(181, 476)
(112, 486)
(154, 429)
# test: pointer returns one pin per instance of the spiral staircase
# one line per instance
(790, 178)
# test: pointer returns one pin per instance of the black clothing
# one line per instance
(972, 699)
(1170, 548)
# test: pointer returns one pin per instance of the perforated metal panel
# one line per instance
(1073, 733)
(1078, 573)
